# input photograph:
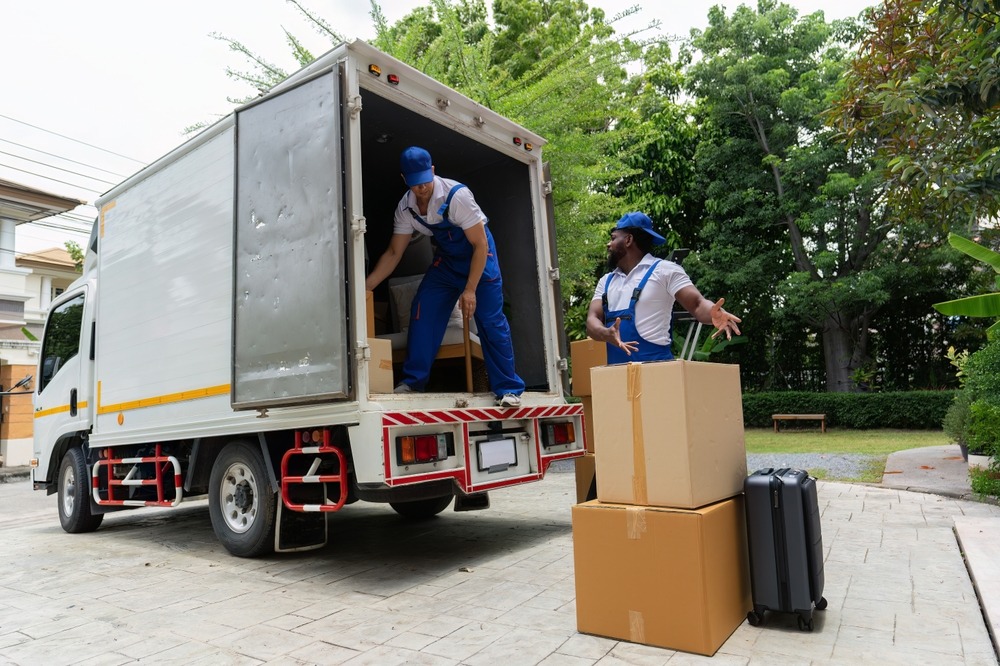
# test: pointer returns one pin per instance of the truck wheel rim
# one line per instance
(69, 491)
(239, 498)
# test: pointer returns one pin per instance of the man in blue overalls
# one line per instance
(632, 304)
(464, 269)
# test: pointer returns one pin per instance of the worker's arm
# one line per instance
(476, 236)
(708, 312)
(609, 334)
(387, 263)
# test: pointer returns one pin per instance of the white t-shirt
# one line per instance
(463, 211)
(652, 311)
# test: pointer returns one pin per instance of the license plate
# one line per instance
(496, 455)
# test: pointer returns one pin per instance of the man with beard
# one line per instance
(632, 304)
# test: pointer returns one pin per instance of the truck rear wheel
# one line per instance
(241, 503)
(74, 494)
(419, 509)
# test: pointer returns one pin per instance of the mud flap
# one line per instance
(472, 502)
(298, 531)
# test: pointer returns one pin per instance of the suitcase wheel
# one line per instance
(805, 623)
(755, 618)
(821, 604)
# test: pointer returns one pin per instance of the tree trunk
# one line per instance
(840, 356)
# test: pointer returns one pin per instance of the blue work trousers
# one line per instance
(432, 306)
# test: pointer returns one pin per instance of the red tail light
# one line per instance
(557, 434)
(411, 449)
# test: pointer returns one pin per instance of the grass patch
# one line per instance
(877, 444)
(866, 442)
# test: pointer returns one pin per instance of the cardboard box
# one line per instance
(370, 312)
(586, 488)
(672, 578)
(588, 423)
(380, 366)
(670, 433)
(584, 355)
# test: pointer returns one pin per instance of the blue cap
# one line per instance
(415, 163)
(640, 221)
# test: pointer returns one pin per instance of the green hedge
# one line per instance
(904, 410)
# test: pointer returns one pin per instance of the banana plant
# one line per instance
(984, 305)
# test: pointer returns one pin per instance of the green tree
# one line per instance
(76, 254)
(795, 227)
(925, 86)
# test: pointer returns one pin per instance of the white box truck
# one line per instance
(217, 342)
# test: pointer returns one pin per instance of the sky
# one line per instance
(91, 92)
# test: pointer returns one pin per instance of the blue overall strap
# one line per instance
(635, 292)
(645, 279)
(443, 210)
(604, 296)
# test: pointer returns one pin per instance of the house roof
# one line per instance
(54, 257)
(26, 204)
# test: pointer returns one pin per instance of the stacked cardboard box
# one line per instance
(584, 355)
(661, 555)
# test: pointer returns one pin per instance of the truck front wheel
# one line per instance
(241, 503)
(74, 494)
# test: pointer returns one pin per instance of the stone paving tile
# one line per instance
(557, 659)
(530, 645)
(389, 591)
(321, 652)
(586, 646)
(263, 643)
(636, 655)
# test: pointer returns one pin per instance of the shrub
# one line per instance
(905, 410)
(983, 427)
(957, 417)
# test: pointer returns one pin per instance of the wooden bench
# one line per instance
(799, 417)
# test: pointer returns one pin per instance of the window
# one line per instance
(62, 339)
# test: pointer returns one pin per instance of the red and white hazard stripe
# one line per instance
(472, 415)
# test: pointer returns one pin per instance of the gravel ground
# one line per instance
(836, 465)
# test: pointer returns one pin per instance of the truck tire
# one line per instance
(240, 501)
(422, 509)
(74, 494)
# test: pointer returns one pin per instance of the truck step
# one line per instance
(133, 478)
(323, 454)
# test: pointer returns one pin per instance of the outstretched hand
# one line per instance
(616, 338)
(724, 321)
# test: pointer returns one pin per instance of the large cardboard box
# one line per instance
(672, 578)
(380, 366)
(584, 355)
(670, 433)
(585, 479)
(588, 423)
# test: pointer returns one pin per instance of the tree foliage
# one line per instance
(925, 87)
(796, 226)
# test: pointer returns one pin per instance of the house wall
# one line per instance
(16, 417)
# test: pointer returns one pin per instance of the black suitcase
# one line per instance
(785, 543)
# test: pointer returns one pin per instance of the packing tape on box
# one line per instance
(385, 364)
(634, 388)
(636, 627)
(635, 522)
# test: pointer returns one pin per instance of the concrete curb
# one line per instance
(14, 473)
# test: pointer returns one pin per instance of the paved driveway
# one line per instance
(466, 588)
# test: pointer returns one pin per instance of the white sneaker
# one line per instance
(509, 400)
(403, 387)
